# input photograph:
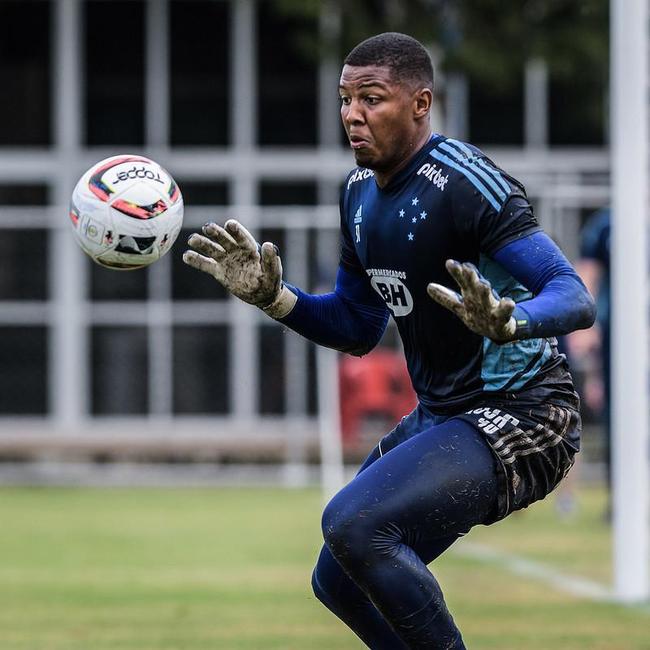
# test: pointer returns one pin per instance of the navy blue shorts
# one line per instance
(534, 435)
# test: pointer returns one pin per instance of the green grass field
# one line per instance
(86, 569)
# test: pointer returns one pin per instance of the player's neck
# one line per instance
(382, 178)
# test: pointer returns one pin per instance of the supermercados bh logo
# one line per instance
(434, 174)
(388, 284)
(360, 175)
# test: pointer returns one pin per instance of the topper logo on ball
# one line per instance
(134, 173)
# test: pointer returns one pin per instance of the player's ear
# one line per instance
(422, 102)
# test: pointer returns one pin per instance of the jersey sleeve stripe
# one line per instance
(462, 146)
(497, 175)
(470, 177)
(472, 164)
(474, 158)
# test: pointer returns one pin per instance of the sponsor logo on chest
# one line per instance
(434, 174)
(388, 284)
(360, 175)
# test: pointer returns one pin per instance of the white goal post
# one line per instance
(329, 423)
(629, 308)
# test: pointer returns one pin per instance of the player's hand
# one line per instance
(232, 256)
(477, 305)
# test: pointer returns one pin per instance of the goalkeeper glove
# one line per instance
(253, 273)
(477, 305)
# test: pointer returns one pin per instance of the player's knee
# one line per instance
(346, 533)
(333, 524)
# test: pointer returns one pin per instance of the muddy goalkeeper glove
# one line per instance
(477, 305)
(251, 272)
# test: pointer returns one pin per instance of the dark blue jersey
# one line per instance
(451, 201)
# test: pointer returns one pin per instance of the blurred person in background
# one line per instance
(590, 348)
(497, 423)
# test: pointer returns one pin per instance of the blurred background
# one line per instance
(238, 100)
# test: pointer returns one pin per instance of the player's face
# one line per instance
(384, 119)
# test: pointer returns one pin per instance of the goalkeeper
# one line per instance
(437, 236)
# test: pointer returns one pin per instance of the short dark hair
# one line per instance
(403, 55)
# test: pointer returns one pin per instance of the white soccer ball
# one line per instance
(126, 212)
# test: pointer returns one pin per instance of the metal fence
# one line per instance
(161, 361)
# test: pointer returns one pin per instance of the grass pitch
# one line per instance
(162, 569)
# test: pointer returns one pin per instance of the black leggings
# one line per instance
(400, 512)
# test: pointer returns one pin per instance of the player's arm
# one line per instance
(503, 227)
(351, 319)
(561, 302)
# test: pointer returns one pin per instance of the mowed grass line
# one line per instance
(502, 610)
(164, 569)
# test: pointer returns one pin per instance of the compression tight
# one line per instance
(398, 514)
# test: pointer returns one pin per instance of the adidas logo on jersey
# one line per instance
(360, 175)
(434, 174)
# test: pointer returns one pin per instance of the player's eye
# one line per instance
(372, 100)
(344, 100)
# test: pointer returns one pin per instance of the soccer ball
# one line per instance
(126, 212)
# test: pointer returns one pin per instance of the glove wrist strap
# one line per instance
(283, 303)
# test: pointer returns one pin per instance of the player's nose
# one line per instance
(353, 114)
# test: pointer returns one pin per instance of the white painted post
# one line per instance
(457, 106)
(327, 376)
(68, 369)
(157, 74)
(629, 104)
(159, 307)
(536, 103)
(329, 423)
(243, 118)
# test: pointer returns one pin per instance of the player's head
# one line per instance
(406, 58)
(386, 90)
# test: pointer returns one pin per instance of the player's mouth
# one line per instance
(357, 142)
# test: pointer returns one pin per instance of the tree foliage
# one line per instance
(487, 39)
